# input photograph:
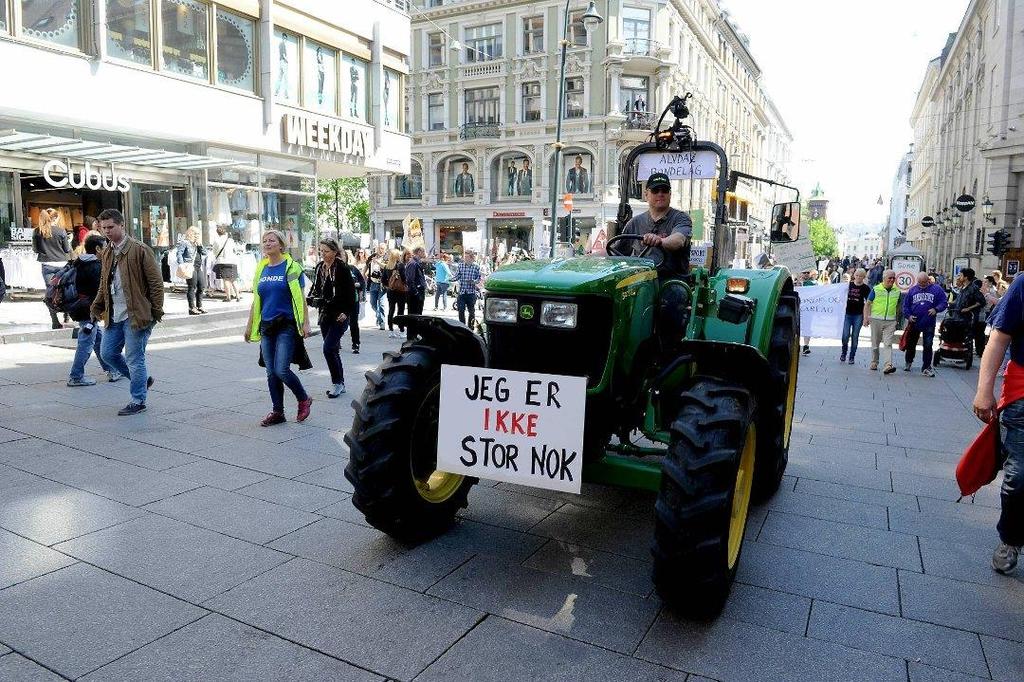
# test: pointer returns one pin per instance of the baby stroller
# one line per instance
(956, 343)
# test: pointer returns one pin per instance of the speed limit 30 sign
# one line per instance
(905, 280)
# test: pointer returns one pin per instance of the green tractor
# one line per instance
(695, 378)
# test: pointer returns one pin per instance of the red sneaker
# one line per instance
(303, 412)
(274, 418)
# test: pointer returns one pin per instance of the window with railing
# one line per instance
(634, 91)
(483, 43)
(636, 30)
(435, 49)
(533, 35)
(574, 97)
(531, 101)
(435, 111)
(483, 106)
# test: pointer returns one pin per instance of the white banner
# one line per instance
(701, 165)
(798, 256)
(822, 308)
(517, 427)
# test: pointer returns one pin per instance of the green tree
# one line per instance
(343, 203)
(823, 238)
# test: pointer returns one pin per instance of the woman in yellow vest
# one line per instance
(278, 319)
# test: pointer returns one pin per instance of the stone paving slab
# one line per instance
(829, 508)
(78, 618)
(293, 494)
(217, 475)
(22, 559)
(593, 565)
(1005, 658)
(919, 672)
(985, 609)
(19, 669)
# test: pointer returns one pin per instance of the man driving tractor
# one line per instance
(664, 227)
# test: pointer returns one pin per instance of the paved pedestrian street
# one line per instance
(188, 543)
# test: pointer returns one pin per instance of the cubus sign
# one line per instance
(60, 174)
(516, 427)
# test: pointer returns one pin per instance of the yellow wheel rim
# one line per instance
(794, 359)
(439, 486)
(741, 496)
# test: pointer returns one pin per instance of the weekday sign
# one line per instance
(516, 427)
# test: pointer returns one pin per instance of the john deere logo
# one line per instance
(526, 311)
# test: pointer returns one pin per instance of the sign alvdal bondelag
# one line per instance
(61, 174)
(964, 203)
(699, 165)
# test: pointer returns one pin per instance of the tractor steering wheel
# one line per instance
(610, 250)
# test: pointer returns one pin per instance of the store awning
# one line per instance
(86, 150)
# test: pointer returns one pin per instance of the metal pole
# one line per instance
(557, 156)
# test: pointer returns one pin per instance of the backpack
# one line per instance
(62, 289)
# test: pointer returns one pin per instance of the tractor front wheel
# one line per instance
(393, 448)
(706, 485)
(783, 359)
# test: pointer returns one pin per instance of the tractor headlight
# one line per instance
(561, 315)
(500, 310)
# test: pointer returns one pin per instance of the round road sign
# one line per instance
(964, 203)
(928, 221)
(905, 280)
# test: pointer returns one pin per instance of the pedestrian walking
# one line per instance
(394, 272)
(333, 294)
(416, 281)
(468, 276)
(225, 262)
(810, 279)
(969, 300)
(921, 305)
(90, 336)
(1007, 335)
(881, 312)
(875, 276)
(442, 278)
(279, 321)
(190, 268)
(52, 247)
(377, 285)
(130, 301)
(355, 312)
(856, 296)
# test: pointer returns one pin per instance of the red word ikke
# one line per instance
(511, 422)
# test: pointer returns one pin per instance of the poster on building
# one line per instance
(321, 82)
(822, 309)
(286, 69)
(354, 74)
(516, 427)
(515, 176)
(461, 179)
(392, 99)
(578, 173)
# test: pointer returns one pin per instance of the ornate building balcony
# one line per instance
(474, 131)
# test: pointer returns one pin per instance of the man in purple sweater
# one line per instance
(920, 306)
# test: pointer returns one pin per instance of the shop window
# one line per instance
(286, 70)
(392, 102)
(128, 30)
(435, 49)
(574, 97)
(8, 221)
(410, 186)
(513, 175)
(235, 51)
(435, 111)
(459, 178)
(578, 172)
(3, 17)
(483, 43)
(185, 39)
(54, 21)
(533, 35)
(354, 74)
(321, 77)
(531, 101)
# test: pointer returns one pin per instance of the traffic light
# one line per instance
(998, 242)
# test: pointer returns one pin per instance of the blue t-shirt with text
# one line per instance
(275, 298)
(1008, 317)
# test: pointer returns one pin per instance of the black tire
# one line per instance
(777, 423)
(393, 447)
(715, 431)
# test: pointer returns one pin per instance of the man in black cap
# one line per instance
(664, 227)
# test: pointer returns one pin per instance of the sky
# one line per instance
(844, 76)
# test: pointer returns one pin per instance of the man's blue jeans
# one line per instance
(851, 327)
(927, 336)
(132, 364)
(466, 302)
(278, 348)
(87, 343)
(377, 296)
(1011, 520)
(441, 293)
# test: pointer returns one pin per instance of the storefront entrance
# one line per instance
(507, 234)
(71, 206)
(455, 236)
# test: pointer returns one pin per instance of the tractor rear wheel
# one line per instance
(706, 484)
(777, 424)
(393, 448)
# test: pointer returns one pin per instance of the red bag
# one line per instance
(979, 464)
(903, 336)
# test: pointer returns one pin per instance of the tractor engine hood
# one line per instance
(582, 275)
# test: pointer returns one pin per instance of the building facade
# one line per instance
(483, 101)
(899, 204)
(968, 122)
(188, 112)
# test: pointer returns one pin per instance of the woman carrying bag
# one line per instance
(52, 247)
(225, 262)
(333, 294)
(394, 276)
(190, 268)
(279, 321)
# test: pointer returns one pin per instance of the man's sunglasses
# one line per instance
(660, 190)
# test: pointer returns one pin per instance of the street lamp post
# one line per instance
(986, 208)
(591, 19)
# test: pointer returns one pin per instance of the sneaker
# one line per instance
(337, 390)
(114, 376)
(807, 350)
(273, 418)
(84, 381)
(130, 409)
(149, 382)
(303, 412)
(906, 367)
(873, 366)
(1004, 559)
(850, 360)
(842, 357)
(928, 372)
(355, 350)
(889, 369)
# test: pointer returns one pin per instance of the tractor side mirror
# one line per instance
(785, 222)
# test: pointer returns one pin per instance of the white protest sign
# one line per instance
(702, 165)
(798, 256)
(699, 254)
(517, 427)
(822, 308)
